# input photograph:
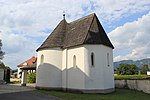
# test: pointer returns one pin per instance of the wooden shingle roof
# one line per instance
(86, 30)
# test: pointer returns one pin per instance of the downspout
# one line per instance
(66, 69)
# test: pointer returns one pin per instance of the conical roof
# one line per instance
(86, 30)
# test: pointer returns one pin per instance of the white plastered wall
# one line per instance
(64, 71)
(53, 71)
(18, 73)
(73, 74)
(99, 76)
(49, 73)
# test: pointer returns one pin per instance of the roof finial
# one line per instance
(63, 14)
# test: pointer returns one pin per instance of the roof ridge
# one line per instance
(105, 37)
(64, 29)
(61, 26)
(91, 15)
(88, 19)
(89, 28)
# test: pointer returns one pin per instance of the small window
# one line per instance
(42, 59)
(74, 61)
(108, 59)
(92, 59)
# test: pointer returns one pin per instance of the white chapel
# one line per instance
(76, 56)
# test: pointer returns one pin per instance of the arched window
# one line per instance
(92, 59)
(74, 61)
(42, 59)
(108, 59)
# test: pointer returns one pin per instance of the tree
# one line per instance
(127, 69)
(1, 52)
(144, 69)
(2, 65)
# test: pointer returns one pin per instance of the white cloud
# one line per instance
(24, 22)
(132, 37)
(17, 48)
(111, 10)
(31, 16)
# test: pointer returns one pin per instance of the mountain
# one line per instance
(138, 63)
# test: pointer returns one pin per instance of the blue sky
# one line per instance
(25, 24)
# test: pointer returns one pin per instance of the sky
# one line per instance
(25, 24)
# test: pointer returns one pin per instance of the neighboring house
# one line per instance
(28, 63)
(148, 72)
(76, 56)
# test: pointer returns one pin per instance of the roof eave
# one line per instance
(48, 48)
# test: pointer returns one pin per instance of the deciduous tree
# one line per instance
(1, 52)
(127, 69)
(144, 69)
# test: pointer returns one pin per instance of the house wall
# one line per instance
(49, 72)
(148, 72)
(64, 71)
(73, 74)
(18, 73)
(82, 76)
(100, 76)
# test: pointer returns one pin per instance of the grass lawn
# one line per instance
(130, 76)
(119, 94)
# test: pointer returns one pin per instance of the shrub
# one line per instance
(31, 78)
(129, 77)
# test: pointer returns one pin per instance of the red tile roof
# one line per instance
(29, 62)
